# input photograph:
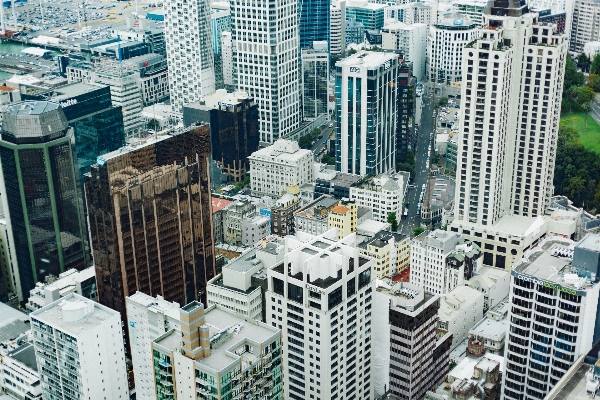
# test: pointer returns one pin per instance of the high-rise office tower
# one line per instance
(221, 22)
(366, 112)
(314, 22)
(553, 315)
(233, 119)
(315, 75)
(511, 96)
(189, 42)
(79, 350)
(41, 195)
(266, 54)
(410, 356)
(405, 139)
(320, 297)
(337, 27)
(149, 212)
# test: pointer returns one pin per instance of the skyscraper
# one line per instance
(149, 211)
(266, 57)
(314, 22)
(190, 57)
(315, 75)
(41, 196)
(366, 112)
(511, 96)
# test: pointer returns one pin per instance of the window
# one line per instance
(364, 278)
(335, 297)
(295, 293)
(278, 286)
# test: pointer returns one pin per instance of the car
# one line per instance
(331, 125)
(325, 141)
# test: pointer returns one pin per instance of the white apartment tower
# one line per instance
(266, 51)
(321, 299)
(511, 94)
(149, 317)
(189, 43)
(366, 112)
(79, 350)
(337, 27)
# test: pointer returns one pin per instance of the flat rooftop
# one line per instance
(368, 59)
(590, 242)
(218, 321)
(244, 263)
(575, 387)
(490, 328)
(25, 354)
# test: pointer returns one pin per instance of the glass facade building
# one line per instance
(150, 219)
(314, 22)
(315, 74)
(40, 183)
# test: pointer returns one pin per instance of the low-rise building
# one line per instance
(383, 194)
(494, 283)
(410, 355)
(218, 209)
(72, 281)
(19, 376)
(459, 311)
(312, 218)
(343, 217)
(390, 252)
(233, 216)
(282, 215)
(219, 354)
(277, 167)
(489, 334)
(255, 229)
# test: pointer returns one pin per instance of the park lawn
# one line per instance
(590, 137)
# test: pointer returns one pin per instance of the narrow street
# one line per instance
(421, 153)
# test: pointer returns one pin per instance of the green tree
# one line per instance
(583, 62)
(327, 159)
(418, 230)
(152, 124)
(351, 52)
(594, 82)
(586, 107)
(391, 219)
(572, 76)
(579, 95)
(595, 67)
(442, 102)
(567, 133)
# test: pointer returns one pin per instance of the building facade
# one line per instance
(371, 15)
(390, 252)
(234, 136)
(366, 113)
(507, 167)
(72, 281)
(314, 22)
(383, 194)
(337, 27)
(411, 40)
(20, 378)
(405, 131)
(167, 249)
(189, 45)
(320, 285)
(266, 51)
(586, 24)
(42, 203)
(282, 215)
(405, 334)
(79, 350)
(275, 168)
(233, 216)
(315, 76)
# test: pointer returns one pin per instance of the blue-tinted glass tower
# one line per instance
(314, 22)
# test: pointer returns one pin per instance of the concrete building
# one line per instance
(586, 24)
(365, 147)
(459, 311)
(472, 379)
(277, 167)
(445, 43)
(233, 119)
(494, 283)
(229, 76)
(148, 317)
(355, 33)
(45, 226)
(233, 216)
(321, 285)
(473, 9)
(371, 15)
(220, 16)
(217, 353)
(72, 281)
(255, 229)
(79, 346)
(344, 217)
(19, 376)
(282, 215)
(313, 217)
(488, 336)
(410, 13)
(142, 30)
(553, 314)
(383, 194)
(190, 55)
(218, 212)
(242, 285)
(411, 40)
(405, 334)
(266, 60)
(337, 27)
(389, 250)
(591, 49)
(507, 168)
(167, 249)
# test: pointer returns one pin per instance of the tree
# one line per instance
(567, 133)
(418, 230)
(391, 219)
(351, 52)
(583, 62)
(152, 124)
(327, 159)
(578, 95)
(594, 82)
(595, 67)
(572, 76)
(442, 102)
(586, 107)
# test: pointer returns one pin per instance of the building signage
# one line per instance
(67, 103)
(228, 105)
(354, 69)
(387, 65)
(314, 289)
(549, 285)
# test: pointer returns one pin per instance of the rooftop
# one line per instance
(282, 151)
(74, 314)
(157, 304)
(223, 322)
(368, 59)
(9, 314)
(405, 295)
(219, 204)
(364, 4)
(454, 301)
(340, 210)
(25, 354)
(244, 263)
(382, 238)
(575, 386)
(590, 242)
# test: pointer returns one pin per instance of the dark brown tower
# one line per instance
(149, 208)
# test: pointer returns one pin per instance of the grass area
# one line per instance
(590, 137)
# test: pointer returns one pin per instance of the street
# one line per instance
(595, 111)
(421, 153)
(327, 133)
